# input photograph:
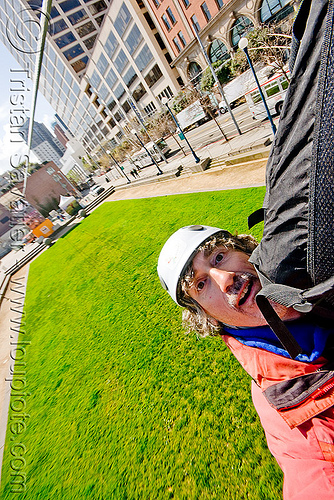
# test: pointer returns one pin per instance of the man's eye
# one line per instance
(219, 257)
(200, 285)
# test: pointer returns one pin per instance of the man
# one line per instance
(206, 270)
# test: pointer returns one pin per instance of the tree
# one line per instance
(268, 44)
(223, 72)
(184, 98)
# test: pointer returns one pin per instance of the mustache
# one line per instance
(239, 281)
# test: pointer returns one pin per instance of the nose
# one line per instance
(224, 279)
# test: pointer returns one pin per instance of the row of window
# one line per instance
(169, 20)
(149, 109)
(269, 9)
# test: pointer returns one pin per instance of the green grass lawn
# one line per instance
(121, 403)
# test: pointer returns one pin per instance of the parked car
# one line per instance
(96, 190)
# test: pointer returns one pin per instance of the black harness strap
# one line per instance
(278, 327)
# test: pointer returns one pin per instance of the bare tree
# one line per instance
(268, 44)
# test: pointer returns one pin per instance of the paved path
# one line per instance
(11, 313)
(211, 180)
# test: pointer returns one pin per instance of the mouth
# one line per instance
(245, 293)
(241, 290)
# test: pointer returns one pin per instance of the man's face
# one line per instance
(225, 284)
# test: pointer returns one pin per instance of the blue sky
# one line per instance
(44, 112)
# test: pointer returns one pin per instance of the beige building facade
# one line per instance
(221, 33)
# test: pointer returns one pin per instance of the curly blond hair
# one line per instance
(194, 317)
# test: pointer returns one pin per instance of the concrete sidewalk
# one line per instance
(246, 172)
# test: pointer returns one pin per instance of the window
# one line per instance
(119, 91)
(102, 64)
(156, 3)
(118, 116)
(143, 58)
(182, 39)
(150, 108)
(103, 92)
(186, 3)
(149, 20)
(85, 29)
(73, 52)
(54, 12)
(122, 20)
(139, 92)
(219, 4)
(166, 93)
(78, 16)
(195, 23)
(111, 44)
(59, 26)
(111, 105)
(206, 11)
(270, 10)
(99, 19)
(129, 77)
(272, 88)
(133, 40)
(194, 72)
(121, 61)
(64, 40)
(166, 22)
(89, 42)
(177, 44)
(69, 5)
(160, 41)
(218, 52)
(180, 81)
(126, 107)
(171, 15)
(241, 26)
(95, 80)
(111, 78)
(153, 76)
(168, 57)
(97, 7)
(80, 64)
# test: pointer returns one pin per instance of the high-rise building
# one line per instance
(44, 145)
(104, 64)
(60, 134)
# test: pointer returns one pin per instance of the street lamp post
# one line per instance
(243, 42)
(164, 101)
(140, 118)
(118, 165)
(220, 88)
(134, 132)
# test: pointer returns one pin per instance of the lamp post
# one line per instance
(164, 101)
(243, 42)
(220, 88)
(140, 118)
(118, 165)
(134, 132)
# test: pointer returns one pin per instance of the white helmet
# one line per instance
(178, 252)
